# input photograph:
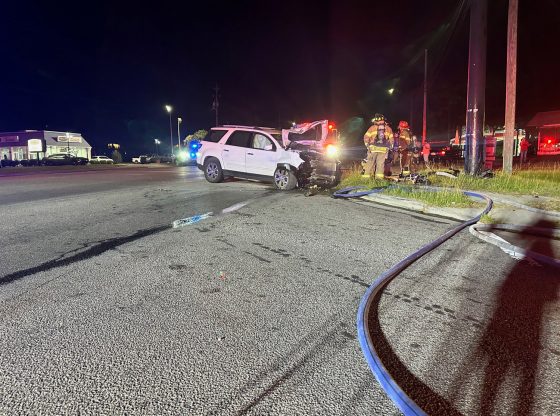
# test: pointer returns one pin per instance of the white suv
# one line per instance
(287, 158)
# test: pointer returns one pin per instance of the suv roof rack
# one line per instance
(247, 127)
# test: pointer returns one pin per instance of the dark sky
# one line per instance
(107, 70)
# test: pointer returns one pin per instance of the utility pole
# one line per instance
(216, 103)
(425, 112)
(474, 138)
(511, 78)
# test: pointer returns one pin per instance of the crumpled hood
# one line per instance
(311, 134)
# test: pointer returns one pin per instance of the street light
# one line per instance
(179, 121)
(157, 142)
(169, 109)
(391, 91)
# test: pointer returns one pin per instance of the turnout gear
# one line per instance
(378, 140)
(405, 146)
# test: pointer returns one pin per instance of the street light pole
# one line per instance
(169, 109)
(179, 121)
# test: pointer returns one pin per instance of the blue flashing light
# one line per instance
(193, 155)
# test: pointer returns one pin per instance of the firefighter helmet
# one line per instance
(403, 124)
(377, 118)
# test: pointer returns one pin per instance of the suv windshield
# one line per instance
(278, 138)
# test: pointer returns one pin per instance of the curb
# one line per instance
(413, 205)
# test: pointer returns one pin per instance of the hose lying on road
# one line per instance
(393, 390)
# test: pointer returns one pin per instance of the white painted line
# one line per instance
(235, 207)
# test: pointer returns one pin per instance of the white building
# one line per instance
(15, 145)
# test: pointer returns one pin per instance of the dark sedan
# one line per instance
(64, 159)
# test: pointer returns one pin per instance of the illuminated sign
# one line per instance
(9, 139)
(36, 145)
(69, 139)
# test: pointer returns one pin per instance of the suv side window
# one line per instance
(260, 141)
(240, 138)
(214, 136)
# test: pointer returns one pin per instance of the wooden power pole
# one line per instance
(511, 81)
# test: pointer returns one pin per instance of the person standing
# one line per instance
(523, 147)
(405, 145)
(378, 139)
(426, 153)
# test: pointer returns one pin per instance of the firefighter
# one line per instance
(416, 150)
(405, 145)
(378, 139)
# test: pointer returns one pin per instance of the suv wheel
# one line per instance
(284, 179)
(213, 170)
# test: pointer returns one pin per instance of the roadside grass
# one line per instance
(443, 198)
(355, 178)
(551, 205)
(542, 181)
(488, 219)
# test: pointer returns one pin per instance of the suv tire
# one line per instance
(284, 179)
(213, 170)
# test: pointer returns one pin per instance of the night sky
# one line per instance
(107, 70)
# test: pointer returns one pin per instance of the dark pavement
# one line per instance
(104, 308)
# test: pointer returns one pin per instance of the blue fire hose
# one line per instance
(393, 390)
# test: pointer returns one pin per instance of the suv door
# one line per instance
(261, 157)
(233, 152)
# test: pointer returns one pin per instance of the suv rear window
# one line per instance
(240, 138)
(214, 136)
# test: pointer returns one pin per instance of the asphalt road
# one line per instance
(105, 308)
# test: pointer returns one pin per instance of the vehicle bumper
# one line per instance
(198, 165)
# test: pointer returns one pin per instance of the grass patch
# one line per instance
(355, 178)
(544, 182)
(488, 219)
(546, 205)
(444, 198)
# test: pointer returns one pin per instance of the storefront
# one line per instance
(36, 144)
(545, 127)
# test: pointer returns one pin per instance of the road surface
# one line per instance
(105, 308)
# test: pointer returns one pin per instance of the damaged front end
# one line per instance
(318, 170)
(316, 145)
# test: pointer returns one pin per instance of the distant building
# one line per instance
(546, 127)
(33, 144)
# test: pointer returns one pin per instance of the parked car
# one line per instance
(136, 159)
(161, 159)
(299, 156)
(30, 162)
(6, 163)
(58, 159)
(101, 159)
(446, 154)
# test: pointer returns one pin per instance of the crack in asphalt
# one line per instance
(90, 252)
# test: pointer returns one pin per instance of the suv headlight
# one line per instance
(332, 150)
